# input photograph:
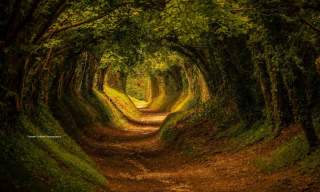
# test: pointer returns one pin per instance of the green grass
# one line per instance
(311, 164)
(48, 125)
(244, 136)
(293, 152)
(168, 135)
(186, 101)
(115, 116)
(168, 131)
(43, 164)
(123, 102)
(100, 106)
(81, 110)
(139, 103)
(285, 155)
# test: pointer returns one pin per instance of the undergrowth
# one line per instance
(285, 155)
(139, 103)
(293, 152)
(311, 164)
(238, 134)
(168, 130)
(167, 97)
(123, 102)
(42, 164)
(259, 131)
(186, 101)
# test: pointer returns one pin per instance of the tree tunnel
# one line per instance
(159, 95)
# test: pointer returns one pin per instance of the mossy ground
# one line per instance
(296, 152)
(139, 103)
(185, 101)
(117, 119)
(168, 131)
(238, 135)
(167, 97)
(285, 155)
(61, 165)
(123, 102)
(42, 164)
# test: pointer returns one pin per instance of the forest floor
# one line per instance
(135, 160)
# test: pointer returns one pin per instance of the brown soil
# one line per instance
(136, 161)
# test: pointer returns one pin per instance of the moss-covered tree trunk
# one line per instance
(89, 75)
(20, 29)
(101, 78)
(295, 83)
(154, 86)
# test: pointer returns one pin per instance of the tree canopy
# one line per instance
(223, 63)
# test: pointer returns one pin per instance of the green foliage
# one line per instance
(162, 60)
(168, 130)
(285, 155)
(110, 59)
(50, 126)
(259, 131)
(311, 163)
(168, 135)
(39, 164)
(223, 119)
(52, 43)
(123, 103)
(185, 18)
(137, 85)
(99, 105)
(257, 57)
(190, 20)
(82, 113)
(115, 117)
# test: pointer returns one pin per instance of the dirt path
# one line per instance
(136, 161)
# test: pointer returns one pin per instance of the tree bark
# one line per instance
(101, 79)
(299, 103)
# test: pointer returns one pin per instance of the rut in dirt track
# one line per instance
(134, 160)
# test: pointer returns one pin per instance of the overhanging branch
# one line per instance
(309, 25)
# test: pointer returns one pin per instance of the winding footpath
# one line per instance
(135, 160)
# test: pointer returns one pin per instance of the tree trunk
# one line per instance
(265, 86)
(101, 79)
(117, 80)
(296, 86)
